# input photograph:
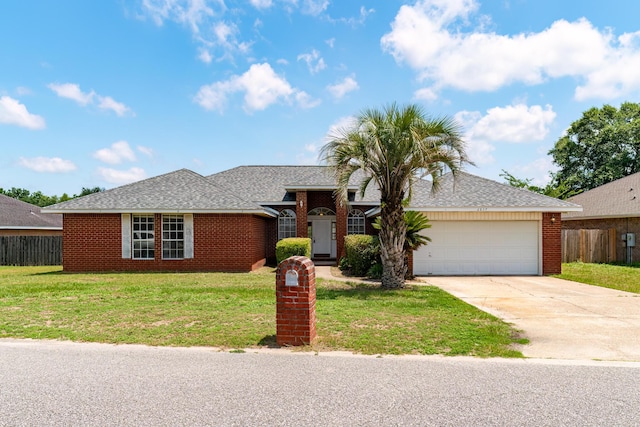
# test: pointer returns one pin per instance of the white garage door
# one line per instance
(479, 248)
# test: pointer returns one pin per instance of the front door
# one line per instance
(321, 231)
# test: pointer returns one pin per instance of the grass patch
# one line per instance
(236, 311)
(620, 277)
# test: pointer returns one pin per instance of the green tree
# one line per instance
(394, 147)
(416, 222)
(559, 191)
(600, 147)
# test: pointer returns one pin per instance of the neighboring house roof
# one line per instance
(617, 199)
(250, 189)
(471, 192)
(18, 215)
(179, 191)
(265, 184)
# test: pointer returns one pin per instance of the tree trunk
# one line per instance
(392, 236)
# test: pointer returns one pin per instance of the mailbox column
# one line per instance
(295, 302)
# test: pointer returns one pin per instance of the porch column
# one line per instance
(301, 214)
(341, 227)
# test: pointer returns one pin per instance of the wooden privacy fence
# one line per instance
(30, 250)
(597, 246)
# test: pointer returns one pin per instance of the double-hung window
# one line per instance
(355, 222)
(142, 236)
(172, 236)
(286, 224)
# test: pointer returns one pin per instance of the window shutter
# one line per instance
(126, 235)
(188, 235)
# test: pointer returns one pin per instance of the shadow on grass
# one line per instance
(360, 291)
(268, 341)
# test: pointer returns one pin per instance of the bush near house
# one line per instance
(293, 246)
(362, 255)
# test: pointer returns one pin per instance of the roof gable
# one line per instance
(179, 191)
(264, 184)
(471, 192)
(619, 198)
(16, 214)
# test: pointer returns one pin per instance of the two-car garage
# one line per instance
(481, 247)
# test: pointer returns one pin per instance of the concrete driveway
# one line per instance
(562, 319)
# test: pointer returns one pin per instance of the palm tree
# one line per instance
(394, 147)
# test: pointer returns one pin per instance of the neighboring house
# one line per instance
(231, 221)
(18, 218)
(27, 237)
(615, 205)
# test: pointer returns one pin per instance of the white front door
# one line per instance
(321, 231)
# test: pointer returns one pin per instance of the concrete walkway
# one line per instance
(562, 319)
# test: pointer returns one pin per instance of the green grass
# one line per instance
(236, 311)
(620, 277)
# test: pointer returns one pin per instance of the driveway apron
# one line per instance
(562, 319)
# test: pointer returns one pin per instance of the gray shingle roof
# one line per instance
(182, 190)
(16, 214)
(619, 198)
(269, 183)
(244, 188)
(470, 191)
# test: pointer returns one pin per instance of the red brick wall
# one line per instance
(321, 199)
(551, 243)
(621, 225)
(301, 214)
(222, 242)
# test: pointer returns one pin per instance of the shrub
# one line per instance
(292, 246)
(362, 251)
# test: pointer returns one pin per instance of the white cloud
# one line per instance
(340, 126)
(425, 94)
(115, 176)
(314, 61)
(331, 42)
(314, 7)
(309, 155)
(206, 22)
(23, 90)
(47, 164)
(261, 86)
(72, 91)
(511, 124)
(305, 100)
(348, 84)
(146, 150)
(12, 112)
(261, 4)
(108, 103)
(189, 12)
(539, 171)
(117, 153)
(478, 60)
(205, 56)
(515, 123)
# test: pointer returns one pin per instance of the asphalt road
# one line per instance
(44, 383)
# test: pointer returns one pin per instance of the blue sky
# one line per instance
(102, 93)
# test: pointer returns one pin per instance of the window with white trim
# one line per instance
(286, 224)
(355, 222)
(142, 236)
(172, 237)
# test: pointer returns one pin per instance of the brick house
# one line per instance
(615, 205)
(231, 221)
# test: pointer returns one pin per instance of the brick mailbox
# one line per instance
(295, 302)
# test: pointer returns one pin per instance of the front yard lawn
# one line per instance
(620, 277)
(234, 311)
